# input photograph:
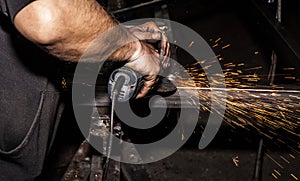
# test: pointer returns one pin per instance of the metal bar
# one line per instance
(96, 168)
(237, 89)
(79, 168)
(135, 171)
(181, 99)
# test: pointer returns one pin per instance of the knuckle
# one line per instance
(156, 35)
(156, 69)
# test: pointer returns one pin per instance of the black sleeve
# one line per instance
(11, 7)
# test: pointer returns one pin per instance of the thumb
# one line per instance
(149, 82)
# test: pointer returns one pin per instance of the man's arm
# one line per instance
(65, 28)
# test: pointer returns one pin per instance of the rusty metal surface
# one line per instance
(79, 168)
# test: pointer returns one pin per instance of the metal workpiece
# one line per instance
(99, 125)
(114, 171)
(184, 97)
(96, 168)
(133, 172)
(98, 133)
(79, 168)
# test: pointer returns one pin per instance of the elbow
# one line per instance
(39, 22)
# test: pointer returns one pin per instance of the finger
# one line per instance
(148, 85)
(166, 61)
(147, 27)
(149, 36)
(150, 26)
(165, 51)
(162, 48)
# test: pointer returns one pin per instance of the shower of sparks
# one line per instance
(191, 44)
(217, 40)
(284, 159)
(291, 68)
(292, 156)
(276, 162)
(226, 46)
(236, 160)
(278, 173)
(215, 45)
(274, 113)
(294, 177)
(274, 176)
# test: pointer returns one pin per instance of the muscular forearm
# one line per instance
(65, 28)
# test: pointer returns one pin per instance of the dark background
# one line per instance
(251, 42)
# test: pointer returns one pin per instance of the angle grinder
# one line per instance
(127, 83)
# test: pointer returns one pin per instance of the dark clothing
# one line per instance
(11, 8)
(28, 100)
